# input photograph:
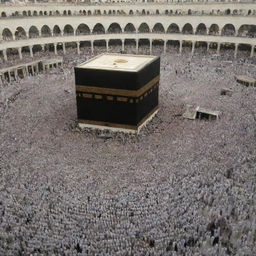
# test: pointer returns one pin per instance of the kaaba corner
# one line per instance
(117, 91)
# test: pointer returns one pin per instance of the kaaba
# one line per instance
(117, 91)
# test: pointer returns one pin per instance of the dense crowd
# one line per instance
(180, 187)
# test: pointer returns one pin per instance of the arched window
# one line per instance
(98, 29)
(173, 28)
(214, 30)
(227, 12)
(201, 29)
(187, 29)
(20, 33)
(33, 32)
(68, 30)
(114, 28)
(158, 28)
(56, 30)
(129, 28)
(228, 30)
(45, 31)
(82, 29)
(144, 28)
(7, 34)
(247, 31)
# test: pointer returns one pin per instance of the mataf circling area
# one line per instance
(180, 187)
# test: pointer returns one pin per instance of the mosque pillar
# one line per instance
(31, 51)
(55, 49)
(137, 45)
(107, 41)
(16, 74)
(20, 54)
(5, 55)
(164, 46)
(208, 46)
(180, 51)
(92, 50)
(64, 48)
(27, 70)
(37, 68)
(123, 45)
(236, 48)
(150, 46)
(218, 48)
(9, 76)
(33, 70)
(252, 51)
(193, 48)
(78, 47)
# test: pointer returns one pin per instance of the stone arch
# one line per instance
(114, 28)
(69, 12)
(235, 12)
(158, 28)
(24, 13)
(29, 13)
(7, 34)
(247, 30)
(201, 29)
(98, 29)
(143, 12)
(35, 13)
(20, 33)
(189, 12)
(68, 30)
(82, 29)
(41, 13)
(173, 28)
(144, 28)
(57, 13)
(187, 29)
(45, 13)
(129, 28)
(45, 31)
(56, 30)
(3, 15)
(228, 30)
(227, 12)
(157, 12)
(249, 12)
(131, 12)
(33, 32)
(65, 12)
(214, 29)
(89, 13)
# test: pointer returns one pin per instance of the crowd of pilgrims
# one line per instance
(184, 214)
